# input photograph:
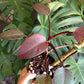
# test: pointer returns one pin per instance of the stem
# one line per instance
(66, 32)
(49, 36)
(59, 47)
(69, 53)
(46, 66)
(64, 57)
(56, 53)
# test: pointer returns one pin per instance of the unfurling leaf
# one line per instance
(12, 34)
(43, 79)
(41, 9)
(32, 46)
(79, 34)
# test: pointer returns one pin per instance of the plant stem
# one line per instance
(59, 47)
(50, 44)
(46, 66)
(49, 36)
(66, 32)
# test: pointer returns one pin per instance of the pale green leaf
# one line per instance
(69, 21)
(41, 30)
(76, 69)
(63, 76)
(55, 5)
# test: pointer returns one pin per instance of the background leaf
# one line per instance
(12, 34)
(41, 9)
(76, 69)
(79, 34)
(6, 67)
(21, 8)
(63, 76)
(43, 79)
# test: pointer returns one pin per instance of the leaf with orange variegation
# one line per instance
(41, 9)
(32, 46)
(79, 34)
(12, 34)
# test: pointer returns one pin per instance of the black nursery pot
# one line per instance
(37, 65)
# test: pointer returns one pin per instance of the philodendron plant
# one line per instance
(37, 44)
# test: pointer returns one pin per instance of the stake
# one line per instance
(70, 52)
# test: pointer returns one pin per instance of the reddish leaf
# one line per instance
(41, 9)
(79, 34)
(12, 34)
(32, 46)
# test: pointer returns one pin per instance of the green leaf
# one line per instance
(54, 6)
(6, 68)
(76, 4)
(10, 26)
(10, 45)
(4, 43)
(25, 28)
(63, 76)
(17, 65)
(41, 30)
(21, 8)
(69, 21)
(1, 77)
(76, 69)
(64, 12)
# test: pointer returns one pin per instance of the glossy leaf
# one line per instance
(43, 79)
(32, 46)
(79, 34)
(63, 76)
(41, 9)
(12, 34)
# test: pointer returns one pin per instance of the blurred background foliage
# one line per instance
(65, 15)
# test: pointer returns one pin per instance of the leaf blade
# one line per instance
(32, 46)
(12, 34)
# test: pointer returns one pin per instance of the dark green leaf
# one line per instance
(6, 67)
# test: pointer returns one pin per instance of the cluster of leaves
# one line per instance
(64, 16)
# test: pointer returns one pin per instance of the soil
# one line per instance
(37, 65)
